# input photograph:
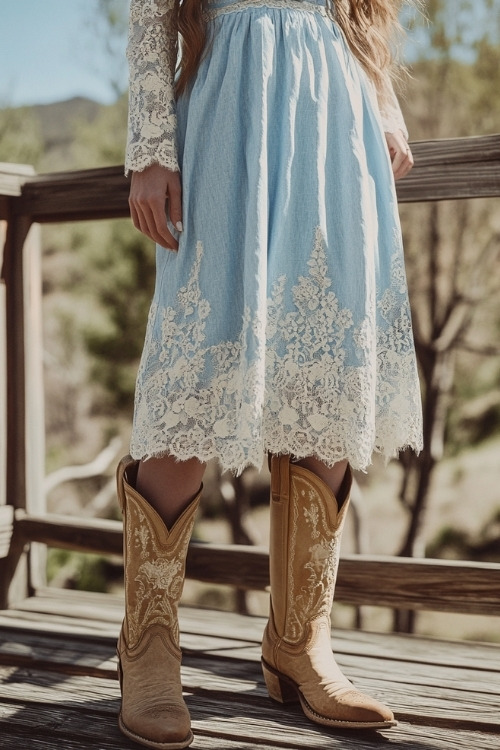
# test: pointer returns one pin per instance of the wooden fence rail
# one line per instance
(448, 169)
(404, 583)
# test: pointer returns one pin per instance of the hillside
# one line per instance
(58, 120)
(50, 136)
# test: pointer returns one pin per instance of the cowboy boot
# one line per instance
(153, 711)
(297, 659)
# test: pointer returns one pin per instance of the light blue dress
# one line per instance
(282, 324)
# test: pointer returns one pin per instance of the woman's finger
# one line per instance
(175, 200)
(158, 217)
(134, 215)
(402, 164)
(150, 225)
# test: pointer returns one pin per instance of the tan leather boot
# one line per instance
(153, 711)
(297, 658)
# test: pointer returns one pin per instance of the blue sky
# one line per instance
(50, 50)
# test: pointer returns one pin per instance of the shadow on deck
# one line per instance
(58, 686)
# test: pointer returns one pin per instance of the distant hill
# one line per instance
(57, 120)
(57, 126)
(72, 134)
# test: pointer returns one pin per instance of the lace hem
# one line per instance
(301, 381)
(138, 162)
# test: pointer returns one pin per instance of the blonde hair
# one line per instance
(372, 30)
(369, 26)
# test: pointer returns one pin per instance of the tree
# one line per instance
(20, 136)
(108, 22)
(453, 251)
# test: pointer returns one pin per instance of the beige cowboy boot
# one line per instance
(297, 658)
(153, 711)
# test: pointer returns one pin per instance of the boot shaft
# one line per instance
(306, 527)
(154, 560)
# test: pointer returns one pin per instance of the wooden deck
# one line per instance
(58, 686)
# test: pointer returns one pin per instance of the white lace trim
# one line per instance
(300, 5)
(151, 53)
(390, 111)
(322, 386)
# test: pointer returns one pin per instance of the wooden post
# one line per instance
(6, 511)
(34, 398)
(13, 569)
(3, 375)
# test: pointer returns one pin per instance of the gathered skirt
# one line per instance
(282, 324)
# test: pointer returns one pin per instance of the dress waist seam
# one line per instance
(242, 5)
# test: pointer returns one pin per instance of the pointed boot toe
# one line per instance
(350, 709)
(161, 726)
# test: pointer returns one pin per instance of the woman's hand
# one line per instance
(400, 153)
(150, 190)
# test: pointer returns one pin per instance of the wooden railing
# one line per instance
(450, 169)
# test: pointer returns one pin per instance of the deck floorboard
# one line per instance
(58, 686)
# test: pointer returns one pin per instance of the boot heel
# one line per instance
(278, 687)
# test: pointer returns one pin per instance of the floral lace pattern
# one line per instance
(390, 111)
(313, 559)
(155, 575)
(151, 53)
(304, 381)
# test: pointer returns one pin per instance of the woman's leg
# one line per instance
(332, 476)
(169, 485)
(153, 711)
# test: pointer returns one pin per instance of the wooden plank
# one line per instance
(222, 657)
(76, 196)
(440, 585)
(34, 730)
(454, 168)
(103, 613)
(69, 532)
(12, 178)
(458, 666)
(464, 150)
(64, 627)
(230, 635)
(38, 730)
(450, 182)
(222, 713)
(79, 673)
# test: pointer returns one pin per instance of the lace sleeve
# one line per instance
(151, 54)
(390, 111)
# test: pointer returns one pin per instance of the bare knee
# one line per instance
(331, 475)
(169, 485)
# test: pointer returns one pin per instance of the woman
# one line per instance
(280, 321)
